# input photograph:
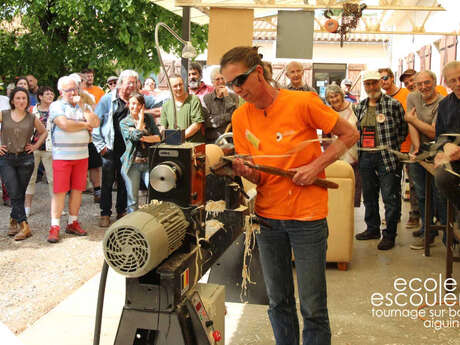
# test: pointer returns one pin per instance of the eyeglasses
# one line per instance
(385, 77)
(70, 90)
(113, 82)
(239, 80)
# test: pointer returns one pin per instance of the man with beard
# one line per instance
(381, 125)
(195, 84)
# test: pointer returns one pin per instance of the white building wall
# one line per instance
(374, 55)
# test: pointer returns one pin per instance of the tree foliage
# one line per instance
(56, 37)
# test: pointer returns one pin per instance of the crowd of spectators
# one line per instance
(104, 134)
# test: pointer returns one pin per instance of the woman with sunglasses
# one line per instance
(139, 131)
(278, 123)
(16, 158)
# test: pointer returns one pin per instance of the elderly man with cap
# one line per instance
(381, 124)
(112, 82)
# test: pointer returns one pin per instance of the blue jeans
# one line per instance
(111, 171)
(375, 178)
(438, 204)
(16, 171)
(136, 172)
(308, 240)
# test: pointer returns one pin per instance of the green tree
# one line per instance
(50, 38)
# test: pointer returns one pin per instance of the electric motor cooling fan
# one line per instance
(140, 241)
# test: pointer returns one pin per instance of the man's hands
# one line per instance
(3, 150)
(451, 153)
(221, 91)
(410, 116)
(240, 169)
(305, 175)
(104, 151)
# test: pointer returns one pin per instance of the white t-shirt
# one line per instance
(4, 103)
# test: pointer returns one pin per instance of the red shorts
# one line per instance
(69, 175)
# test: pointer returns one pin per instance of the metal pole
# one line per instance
(185, 37)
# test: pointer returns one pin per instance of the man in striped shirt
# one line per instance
(72, 123)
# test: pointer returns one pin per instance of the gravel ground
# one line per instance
(36, 275)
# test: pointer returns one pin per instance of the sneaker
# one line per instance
(413, 222)
(104, 221)
(418, 233)
(420, 243)
(367, 235)
(386, 244)
(53, 236)
(75, 229)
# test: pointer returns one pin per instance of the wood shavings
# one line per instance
(249, 244)
(212, 226)
(152, 202)
(213, 208)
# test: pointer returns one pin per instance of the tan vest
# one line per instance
(16, 135)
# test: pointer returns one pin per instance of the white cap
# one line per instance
(371, 75)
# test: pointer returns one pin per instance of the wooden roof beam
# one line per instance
(274, 5)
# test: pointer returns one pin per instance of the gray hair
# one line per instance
(76, 78)
(63, 80)
(215, 71)
(450, 65)
(334, 89)
(127, 73)
(430, 73)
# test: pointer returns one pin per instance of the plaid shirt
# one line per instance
(392, 132)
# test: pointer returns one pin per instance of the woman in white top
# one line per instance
(336, 98)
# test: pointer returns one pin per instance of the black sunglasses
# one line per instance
(240, 79)
(385, 77)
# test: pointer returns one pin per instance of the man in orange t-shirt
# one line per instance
(95, 160)
(89, 86)
(278, 123)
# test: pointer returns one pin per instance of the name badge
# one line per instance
(380, 118)
(252, 139)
